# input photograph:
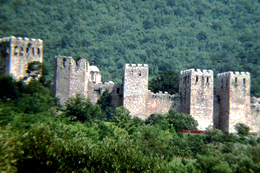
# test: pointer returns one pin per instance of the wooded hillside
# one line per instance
(222, 35)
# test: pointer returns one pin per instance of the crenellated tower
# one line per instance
(196, 92)
(70, 78)
(135, 89)
(16, 53)
(233, 94)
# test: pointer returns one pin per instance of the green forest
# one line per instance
(222, 35)
(37, 135)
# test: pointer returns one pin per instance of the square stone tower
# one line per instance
(16, 53)
(196, 91)
(70, 78)
(233, 92)
(135, 86)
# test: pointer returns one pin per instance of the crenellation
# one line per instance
(233, 90)
(230, 105)
(196, 91)
(187, 72)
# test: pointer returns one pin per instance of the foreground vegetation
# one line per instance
(97, 138)
(222, 35)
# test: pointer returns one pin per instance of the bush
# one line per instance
(242, 129)
(182, 121)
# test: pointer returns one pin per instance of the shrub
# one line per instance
(242, 129)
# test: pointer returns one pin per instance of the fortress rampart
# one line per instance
(196, 91)
(162, 102)
(231, 104)
(135, 89)
(233, 91)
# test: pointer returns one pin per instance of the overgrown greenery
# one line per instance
(80, 138)
(222, 35)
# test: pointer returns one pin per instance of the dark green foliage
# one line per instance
(182, 121)
(105, 104)
(158, 119)
(155, 141)
(242, 129)
(178, 121)
(38, 70)
(8, 88)
(165, 81)
(212, 164)
(123, 120)
(82, 110)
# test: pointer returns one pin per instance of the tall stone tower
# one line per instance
(196, 91)
(16, 53)
(135, 86)
(70, 78)
(233, 92)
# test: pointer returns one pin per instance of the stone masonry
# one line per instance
(73, 78)
(135, 87)
(16, 53)
(196, 91)
(233, 94)
(230, 105)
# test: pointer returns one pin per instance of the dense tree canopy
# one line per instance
(222, 35)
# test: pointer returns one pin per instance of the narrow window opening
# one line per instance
(118, 90)
(207, 81)
(244, 81)
(64, 62)
(15, 50)
(236, 82)
(38, 51)
(197, 79)
(28, 48)
(139, 73)
(21, 51)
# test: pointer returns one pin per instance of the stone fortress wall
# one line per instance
(73, 78)
(135, 89)
(162, 102)
(230, 105)
(196, 92)
(233, 92)
(16, 53)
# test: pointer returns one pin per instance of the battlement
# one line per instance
(161, 95)
(236, 74)
(69, 62)
(136, 65)
(196, 72)
(22, 40)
